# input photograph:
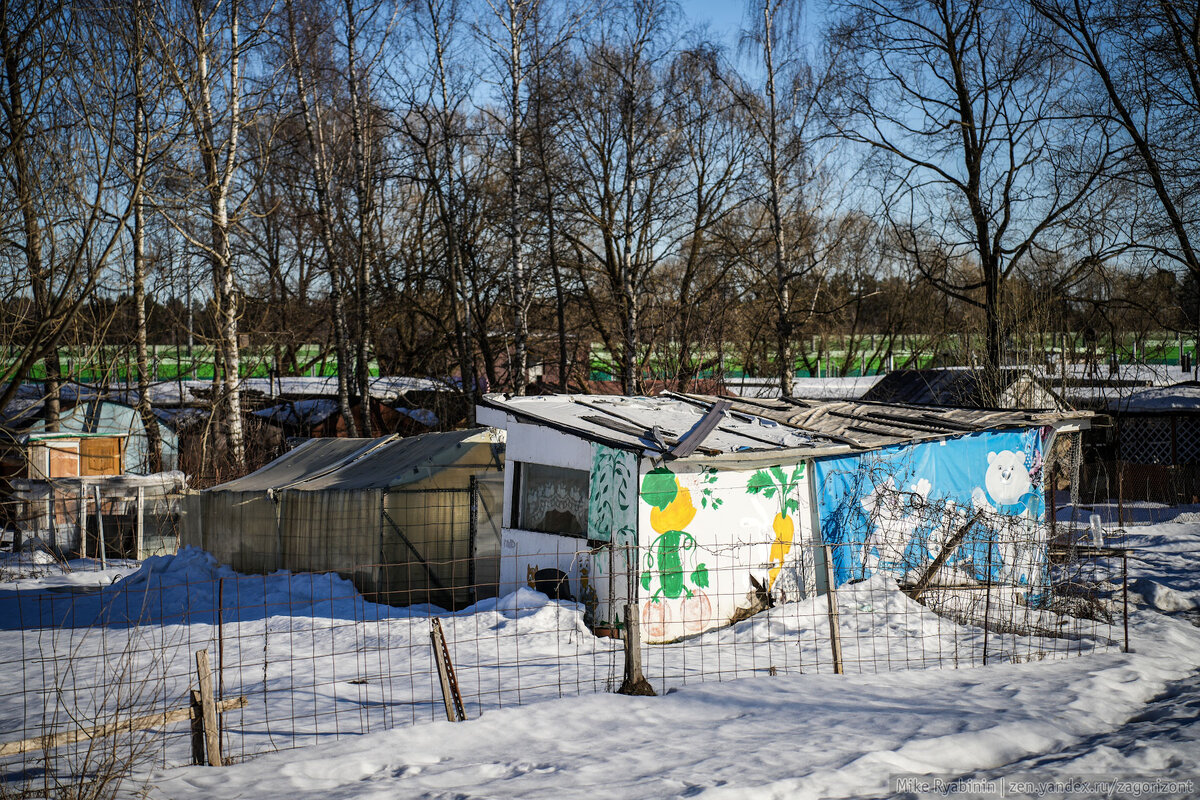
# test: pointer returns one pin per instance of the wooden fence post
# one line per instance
(100, 531)
(987, 602)
(635, 682)
(208, 702)
(835, 636)
(197, 728)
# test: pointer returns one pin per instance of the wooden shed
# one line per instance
(409, 520)
(45, 456)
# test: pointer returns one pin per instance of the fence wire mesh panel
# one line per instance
(89, 523)
(332, 635)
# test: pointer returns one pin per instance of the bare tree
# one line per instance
(435, 127)
(783, 115)
(322, 175)
(626, 183)
(59, 123)
(203, 52)
(967, 108)
(523, 38)
(1146, 58)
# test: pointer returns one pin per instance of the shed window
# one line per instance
(552, 499)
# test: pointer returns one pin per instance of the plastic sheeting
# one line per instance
(893, 510)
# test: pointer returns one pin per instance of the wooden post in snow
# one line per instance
(835, 636)
(451, 697)
(208, 703)
(635, 682)
(141, 503)
(197, 712)
(100, 531)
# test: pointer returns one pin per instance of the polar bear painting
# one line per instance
(1010, 493)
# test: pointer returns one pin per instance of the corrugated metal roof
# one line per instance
(761, 425)
(868, 425)
(345, 464)
(656, 425)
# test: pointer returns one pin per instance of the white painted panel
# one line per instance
(493, 417)
(597, 578)
(698, 578)
(544, 445)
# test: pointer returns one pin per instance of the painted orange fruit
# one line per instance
(676, 516)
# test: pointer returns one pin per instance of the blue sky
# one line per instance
(725, 16)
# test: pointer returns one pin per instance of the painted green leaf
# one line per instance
(659, 487)
(700, 576)
(760, 482)
(779, 476)
(646, 581)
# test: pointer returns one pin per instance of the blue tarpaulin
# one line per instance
(893, 510)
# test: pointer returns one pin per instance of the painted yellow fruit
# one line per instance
(676, 516)
(785, 531)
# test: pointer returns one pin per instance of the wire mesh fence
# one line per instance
(303, 657)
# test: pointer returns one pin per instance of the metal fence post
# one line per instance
(472, 536)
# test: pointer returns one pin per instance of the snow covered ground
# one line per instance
(317, 663)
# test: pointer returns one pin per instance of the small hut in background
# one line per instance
(964, 387)
(104, 418)
(409, 520)
(1152, 452)
(70, 493)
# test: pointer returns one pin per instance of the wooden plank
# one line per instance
(947, 550)
(140, 525)
(147, 722)
(835, 634)
(441, 656)
(101, 455)
(100, 531)
(62, 460)
(212, 733)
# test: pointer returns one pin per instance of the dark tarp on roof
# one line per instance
(960, 387)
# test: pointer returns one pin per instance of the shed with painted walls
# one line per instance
(683, 503)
